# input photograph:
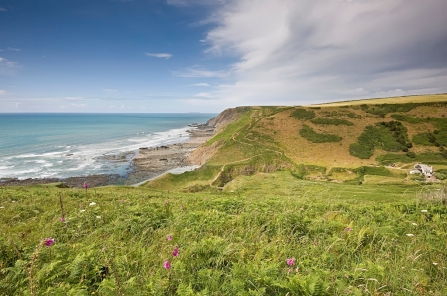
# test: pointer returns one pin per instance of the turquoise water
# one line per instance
(67, 145)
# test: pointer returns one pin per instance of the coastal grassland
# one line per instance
(265, 139)
(344, 239)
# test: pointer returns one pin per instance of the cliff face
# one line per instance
(201, 154)
(220, 121)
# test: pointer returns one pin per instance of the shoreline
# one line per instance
(147, 164)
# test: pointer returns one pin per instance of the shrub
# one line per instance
(389, 136)
(331, 121)
(303, 114)
(309, 134)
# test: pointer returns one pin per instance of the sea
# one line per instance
(68, 145)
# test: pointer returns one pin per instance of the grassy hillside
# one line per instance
(333, 142)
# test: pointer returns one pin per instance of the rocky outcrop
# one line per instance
(200, 155)
(227, 116)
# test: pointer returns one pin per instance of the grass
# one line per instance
(230, 243)
(331, 121)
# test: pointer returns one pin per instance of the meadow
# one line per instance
(268, 234)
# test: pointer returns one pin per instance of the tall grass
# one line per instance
(115, 241)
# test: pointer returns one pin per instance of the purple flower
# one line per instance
(290, 261)
(85, 185)
(167, 265)
(169, 237)
(62, 219)
(49, 242)
(175, 253)
(348, 229)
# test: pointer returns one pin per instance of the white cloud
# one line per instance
(14, 49)
(204, 95)
(200, 84)
(159, 55)
(9, 64)
(3, 9)
(318, 50)
(2, 92)
(200, 72)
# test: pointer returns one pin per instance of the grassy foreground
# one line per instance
(296, 238)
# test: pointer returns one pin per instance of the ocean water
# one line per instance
(68, 145)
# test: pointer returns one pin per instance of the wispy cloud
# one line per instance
(199, 84)
(318, 50)
(2, 92)
(204, 95)
(14, 49)
(194, 72)
(9, 64)
(159, 55)
(3, 9)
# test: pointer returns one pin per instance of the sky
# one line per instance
(163, 56)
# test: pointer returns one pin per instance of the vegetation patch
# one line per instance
(383, 109)
(303, 114)
(331, 121)
(435, 138)
(309, 134)
(427, 157)
(389, 136)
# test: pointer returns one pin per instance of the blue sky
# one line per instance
(205, 56)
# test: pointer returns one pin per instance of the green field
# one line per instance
(346, 239)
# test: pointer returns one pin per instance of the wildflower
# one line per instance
(82, 211)
(297, 269)
(98, 217)
(2, 207)
(348, 229)
(414, 224)
(166, 202)
(167, 265)
(92, 204)
(315, 242)
(122, 200)
(435, 263)
(424, 211)
(62, 219)
(49, 242)
(290, 261)
(169, 237)
(410, 234)
(175, 253)
(85, 186)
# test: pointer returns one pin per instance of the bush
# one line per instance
(303, 114)
(331, 121)
(309, 134)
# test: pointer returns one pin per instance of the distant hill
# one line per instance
(375, 141)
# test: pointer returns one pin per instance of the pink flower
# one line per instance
(122, 200)
(175, 253)
(290, 261)
(167, 265)
(169, 237)
(85, 185)
(348, 229)
(62, 219)
(49, 242)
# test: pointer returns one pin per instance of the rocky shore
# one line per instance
(148, 163)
